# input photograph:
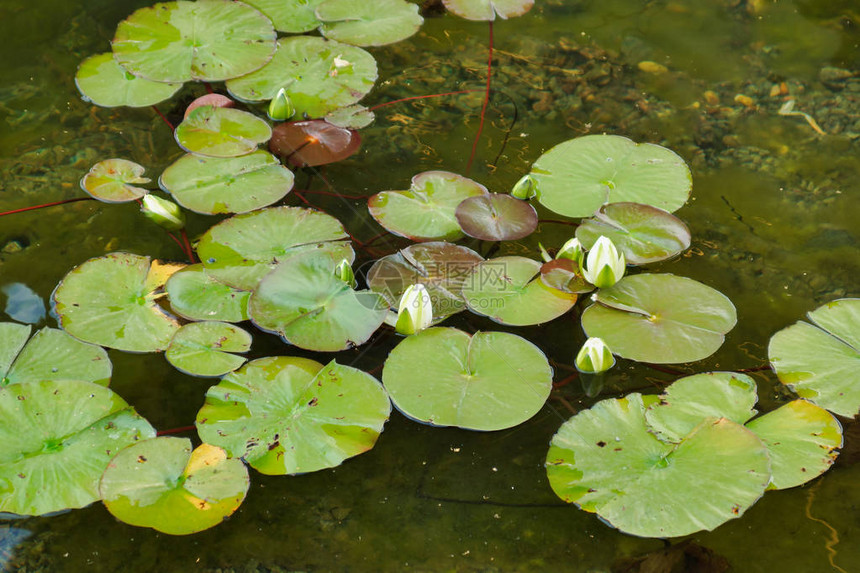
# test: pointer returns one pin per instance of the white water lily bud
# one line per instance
(543, 254)
(344, 272)
(281, 108)
(163, 212)
(415, 312)
(525, 188)
(572, 250)
(594, 357)
(605, 265)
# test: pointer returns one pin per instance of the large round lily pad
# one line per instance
(292, 16)
(820, 361)
(606, 461)
(644, 234)
(426, 211)
(102, 81)
(204, 348)
(112, 301)
(56, 438)
(162, 484)
(576, 177)
(242, 249)
(488, 381)
(365, 23)
(488, 9)
(115, 181)
(660, 318)
(221, 132)
(318, 75)
(211, 41)
(287, 415)
(509, 290)
(496, 217)
(304, 302)
(213, 185)
(195, 295)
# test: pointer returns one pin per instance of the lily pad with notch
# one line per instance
(564, 275)
(496, 217)
(205, 348)
(363, 23)
(313, 142)
(115, 181)
(221, 132)
(351, 117)
(488, 9)
(291, 16)
(195, 295)
(102, 81)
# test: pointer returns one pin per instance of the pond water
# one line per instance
(774, 218)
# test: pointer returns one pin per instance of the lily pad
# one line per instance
(425, 212)
(210, 41)
(114, 181)
(496, 217)
(291, 16)
(351, 117)
(162, 484)
(660, 318)
(606, 461)
(213, 185)
(213, 99)
(112, 301)
(318, 75)
(221, 132)
(241, 250)
(56, 438)
(644, 234)
(287, 415)
(488, 381)
(363, 23)
(509, 290)
(203, 348)
(576, 177)
(820, 362)
(564, 275)
(488, 9)
(314, 142)
(50, 355)
(102, 81)
(197, 296)
(304, 302)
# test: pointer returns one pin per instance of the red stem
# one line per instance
(188, 250)
(180, 430)
(63, 202)
(176, 240)
(208, 88)
(486, 102)
(377, 106)
(161, 115)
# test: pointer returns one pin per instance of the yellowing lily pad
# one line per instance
(115, 181)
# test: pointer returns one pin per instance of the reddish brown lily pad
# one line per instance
(313, 142)
(496, 217)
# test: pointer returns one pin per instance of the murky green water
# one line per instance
(774, 219)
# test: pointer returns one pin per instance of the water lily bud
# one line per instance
(572, 250)
(594, 357)
(281, 108)
(525, 188)
(163, 212)
(344, 272)
(543, 254)
(605, 265)
(415, 312)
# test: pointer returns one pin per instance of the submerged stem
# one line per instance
(486, 101)
(55, 203)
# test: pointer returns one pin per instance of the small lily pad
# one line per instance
(363, 23)
(488, 9)
(291, 16)
(351, 117)
(221, 132)
(162, 484)
(203, 348)
(426, 211)
(488, 381)
(287, 415)
(496, 217)
(115, 181)
(197, 296)
(314, 142)
(564, 275)
(102, 81)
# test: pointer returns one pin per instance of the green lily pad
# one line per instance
(660, 318)
(496, 217)
(441, 267)
(114, 180)
(318, 75)
(425, 212)
(606, 461)
(291, 16)
(644, 234)
(203, 348)
(210, 41)
(243, 249)
(488, 381)
(821, 362)
(213, 185)
(287, 415)
(564, 275)
(488, 9)
(689, 400)
(576, 177)
(112, 301)
(50, 355)
(162, 484)
(310, 307)
(509, 290)
(102, 81)
(56, 438)
(363, 23)
(197, 296)
(351, 117)
(221, 131)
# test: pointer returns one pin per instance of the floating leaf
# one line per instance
(203, 348)
(351, 117)
(56, 438)
(314, 142)
(821, 362)
(212, 185)
(576, 177)
(645, 234)
(292, 16)
(242, 249)
(425, 212)
(114, 181)
(197, 296)
(213, 99)
(210, 41)
(564, 275)
(162, 484)
(287, 415)
(112, 301)
(660, 318)
(365, 23)
(488, 381)
(488, 9)
(102, 81)
(221, 131)
(496, 217)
